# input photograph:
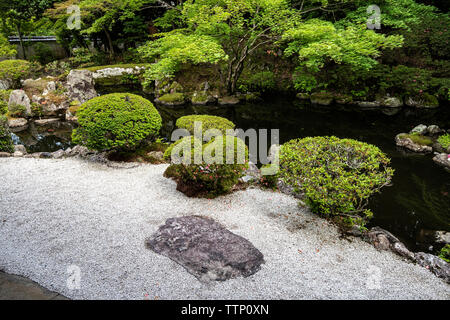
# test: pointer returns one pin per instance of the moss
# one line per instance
(323, 98)
(418, 139)
(199, 97)
(176, 97)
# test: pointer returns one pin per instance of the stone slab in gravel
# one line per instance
(55, 214)
(206, 249)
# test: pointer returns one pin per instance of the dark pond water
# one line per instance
(419, 199)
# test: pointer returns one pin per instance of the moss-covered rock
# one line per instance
(201, 98)
(322, 98)
(229, 100)
(172, 99)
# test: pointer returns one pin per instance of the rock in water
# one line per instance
(80, 85)
(206, 249)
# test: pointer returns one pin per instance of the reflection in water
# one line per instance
(47, 138)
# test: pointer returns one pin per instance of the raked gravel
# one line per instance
(57, 213)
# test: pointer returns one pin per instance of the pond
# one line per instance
(418, 200)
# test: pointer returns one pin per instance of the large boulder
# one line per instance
(20, 98)
(322, 98)
(404, 141)
(442, 159)
(384, 240)
(392, 102)
(435, 264)
(80, 85)
(17, 124)
(420, 129)
(117, 72)
(206, 249)
(228, 101)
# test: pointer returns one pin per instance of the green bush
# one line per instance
(337, 176)
(180, 146)
(6, 144)
(3, 107)
(118, 121)
(445, 253)
(210, 179)
(17, 111)
(14, 70)
(444, 140)
(259, 81)
(208, 122)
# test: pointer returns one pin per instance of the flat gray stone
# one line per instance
(206, 249)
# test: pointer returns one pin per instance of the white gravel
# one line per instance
(56, 213)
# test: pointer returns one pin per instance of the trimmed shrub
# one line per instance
(208, 122)
(210, 179)
(179, 146)
(3, 107)
(6, 143)
(336, 176)
(14, 70)
(118, 121)
(444, 140)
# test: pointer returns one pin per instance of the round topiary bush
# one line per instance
(336, 176)
(118, 121)
(224, 160)
(6, 143)
(180, 145)
(208, 122)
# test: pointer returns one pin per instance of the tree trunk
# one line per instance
(110, 44)
(21, 42)
(235, 70)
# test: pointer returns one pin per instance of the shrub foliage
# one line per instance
(211, 178)
(118, 121)
(6, 144)
(208, 122)
(336, 176)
